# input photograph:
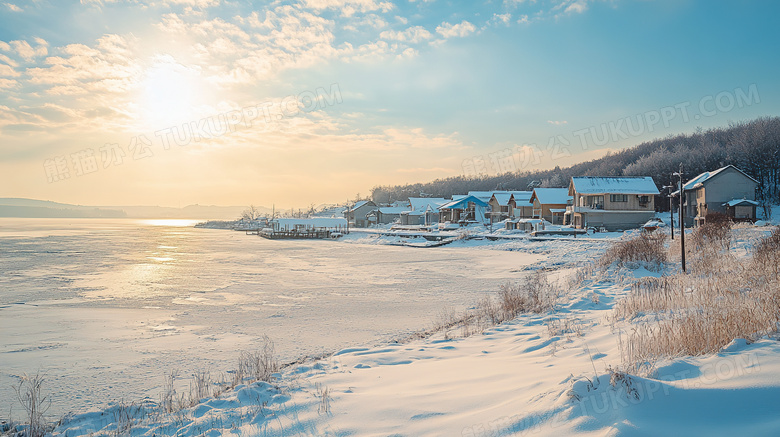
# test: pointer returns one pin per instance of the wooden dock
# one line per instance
(297, 235)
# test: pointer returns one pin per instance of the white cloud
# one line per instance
(412, 35)
(13, 7)
(349, 7)
(461, 29)
(557, 122)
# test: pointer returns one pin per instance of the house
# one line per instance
(520, 204)
(612, 203)
(503, 204)
(462, 209)
(357, 214)
(550, 204)
(422, 211)
(727, 190)
(386, 214)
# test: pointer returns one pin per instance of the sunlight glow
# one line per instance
(170, 91)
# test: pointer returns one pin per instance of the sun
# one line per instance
(170, 92)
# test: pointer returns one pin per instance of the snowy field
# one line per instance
(105, 308)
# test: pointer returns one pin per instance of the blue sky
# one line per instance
(93, 92)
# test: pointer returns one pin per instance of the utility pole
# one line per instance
(682, 218)
(671, 206)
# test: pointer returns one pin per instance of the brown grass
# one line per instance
(647, 247)
(720, 299)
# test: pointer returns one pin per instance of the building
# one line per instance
(463, 209)
(503, 204)
(550, 204)
(357, 214)
(611, 203)
(521, 205)
(727, 190)
(308, 224)
(422, 211)
(386, 215)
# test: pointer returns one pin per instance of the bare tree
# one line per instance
(250, 214)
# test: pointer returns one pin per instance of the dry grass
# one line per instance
(648, 248)
(720, 299)
(533, 295)
(31, 395)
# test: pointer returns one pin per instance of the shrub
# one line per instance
(647, 247)
(30, 394)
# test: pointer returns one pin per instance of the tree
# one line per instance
(250, 214)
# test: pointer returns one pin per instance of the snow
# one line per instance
(615, 185)
(735, 202)
(546, 374)
(700, 179)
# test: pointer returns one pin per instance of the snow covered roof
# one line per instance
(551, 196)
(393, 209)
(482, 195)
(502, 198)
(740, 202)
(422, 203)
(557, 210)
(462, 202)
(707, 175)
(614, 185)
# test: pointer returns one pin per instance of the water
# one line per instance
(106, 307)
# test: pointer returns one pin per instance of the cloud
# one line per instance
(461, 29)
(412, 35)
(26, 51)
(557, 122)
(349, 7)
(13, 7)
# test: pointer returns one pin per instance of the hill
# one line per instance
(753, 146)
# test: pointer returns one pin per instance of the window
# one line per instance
(618, 197)
(644, 200)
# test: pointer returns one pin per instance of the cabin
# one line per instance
(357, 214)
(550, 204)
(386, 214)
(520, 204)
(727, 190)
(503, 204)
(611, 203)
(422, 211)
(463, 209)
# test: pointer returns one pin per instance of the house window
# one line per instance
(595, 202)
(644, 200)
(618, 197)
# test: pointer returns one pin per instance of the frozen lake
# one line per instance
(106, 307)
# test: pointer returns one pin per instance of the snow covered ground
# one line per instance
(538, 374)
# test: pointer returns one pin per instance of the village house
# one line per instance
(727, 190)
(520, 204)
(611, 203)
(550, 204)
(386, 215)
(503, 204)
(357, 214)
(422, 211)
(462, 209)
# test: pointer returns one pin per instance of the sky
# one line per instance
(226, 102)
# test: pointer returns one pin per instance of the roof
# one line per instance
(502, 198)
(614, 185)
(393, 209)
(740, 202)
(462, 202)
(422, 203)
(551, 196)
(707, 175)
(486, 195)
(557, 210)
